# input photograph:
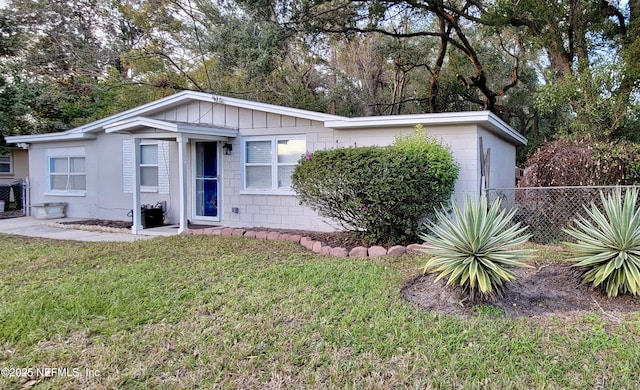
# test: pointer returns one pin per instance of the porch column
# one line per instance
(137, 216)
(182, 175)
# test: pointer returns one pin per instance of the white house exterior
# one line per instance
(226, 161)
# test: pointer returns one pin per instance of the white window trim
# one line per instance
(150, 189)
(10, 155)
(274, 190)
(70, 193)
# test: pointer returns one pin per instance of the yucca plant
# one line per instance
(608, 245)
(476, 248)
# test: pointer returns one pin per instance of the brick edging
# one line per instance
(315, 246)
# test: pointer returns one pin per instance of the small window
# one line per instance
(149, 165)
(67, 174)
(269, 163)
(6, 165)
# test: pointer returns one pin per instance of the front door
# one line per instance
(207, 192)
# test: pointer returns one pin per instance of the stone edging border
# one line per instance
(314, 246)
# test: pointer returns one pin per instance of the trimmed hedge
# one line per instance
(380, 192)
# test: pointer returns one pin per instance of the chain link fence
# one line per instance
(12, 199)
(548, 210)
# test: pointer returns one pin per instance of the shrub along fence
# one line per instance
(548, 210)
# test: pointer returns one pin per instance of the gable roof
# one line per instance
(89, 130)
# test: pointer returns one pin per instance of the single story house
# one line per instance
(211, 159)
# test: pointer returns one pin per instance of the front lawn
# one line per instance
(232, 312)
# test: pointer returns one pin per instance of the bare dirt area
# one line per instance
(547, 290)
(11, 214)
(100, 222)
(346, 240)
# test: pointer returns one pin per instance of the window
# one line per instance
(67, 174)
(269, 162)
(149, 165)
(6, 163)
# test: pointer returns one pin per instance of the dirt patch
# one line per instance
(548, 290)
(101, 222)
(346, 240)
(11, 214)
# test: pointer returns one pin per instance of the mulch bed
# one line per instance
(548, 290)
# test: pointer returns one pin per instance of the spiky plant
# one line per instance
(608, 245)
(476, 248)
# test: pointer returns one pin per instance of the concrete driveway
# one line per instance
(32, 227)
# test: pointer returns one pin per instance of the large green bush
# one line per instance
(379, 192)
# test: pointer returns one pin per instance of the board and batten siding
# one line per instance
(214, 114)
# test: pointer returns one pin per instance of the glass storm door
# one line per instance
(206, 181)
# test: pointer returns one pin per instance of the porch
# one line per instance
(185, 135)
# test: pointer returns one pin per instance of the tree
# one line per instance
(591, 48)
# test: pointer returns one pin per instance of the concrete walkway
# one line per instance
(32, 227)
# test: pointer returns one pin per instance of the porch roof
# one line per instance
(155, 128)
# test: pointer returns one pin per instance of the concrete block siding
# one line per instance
(285, 212)
(269, 209)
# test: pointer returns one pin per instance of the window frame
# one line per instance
(145, 188)
(274, 164)
(8, 154)
(68, 174)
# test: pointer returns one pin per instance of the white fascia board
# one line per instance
(486, 118)
(137, 123)
(274, 109)
(443, 118)
(501, 127)
(129, 127)
(203, 130)
(49, 137)
(165, 103)
(184, 96)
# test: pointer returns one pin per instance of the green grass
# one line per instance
(198, 311)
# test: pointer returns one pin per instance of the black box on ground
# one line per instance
(152, 218)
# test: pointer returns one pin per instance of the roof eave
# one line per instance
(181, 98)
(130, 126)
(490, 120)
(50, 137)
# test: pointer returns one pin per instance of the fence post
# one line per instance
(26, 200)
